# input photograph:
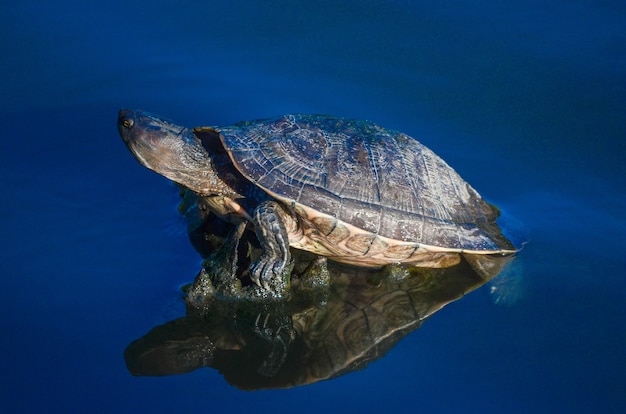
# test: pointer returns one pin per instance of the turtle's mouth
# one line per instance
(155, 143)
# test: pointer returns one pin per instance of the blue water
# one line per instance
(526, 101)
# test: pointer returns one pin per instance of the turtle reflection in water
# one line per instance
(337, 318)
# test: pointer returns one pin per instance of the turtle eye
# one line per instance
(128, 123)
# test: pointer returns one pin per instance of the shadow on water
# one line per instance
(336, 318)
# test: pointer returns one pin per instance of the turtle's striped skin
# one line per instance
(349, 190)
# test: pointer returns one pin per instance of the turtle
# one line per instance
(349, 190)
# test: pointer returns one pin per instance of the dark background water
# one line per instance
(527, 101)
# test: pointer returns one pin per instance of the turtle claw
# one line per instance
(265, 270)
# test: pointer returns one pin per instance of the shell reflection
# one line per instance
(336, 319)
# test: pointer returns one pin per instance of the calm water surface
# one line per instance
(525, 101)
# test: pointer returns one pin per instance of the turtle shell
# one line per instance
(356, 173)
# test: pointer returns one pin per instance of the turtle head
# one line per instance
(168, 149)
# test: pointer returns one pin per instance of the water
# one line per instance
(525, 101)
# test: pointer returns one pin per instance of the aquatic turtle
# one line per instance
(346, 189)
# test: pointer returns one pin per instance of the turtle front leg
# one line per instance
(271, 268)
